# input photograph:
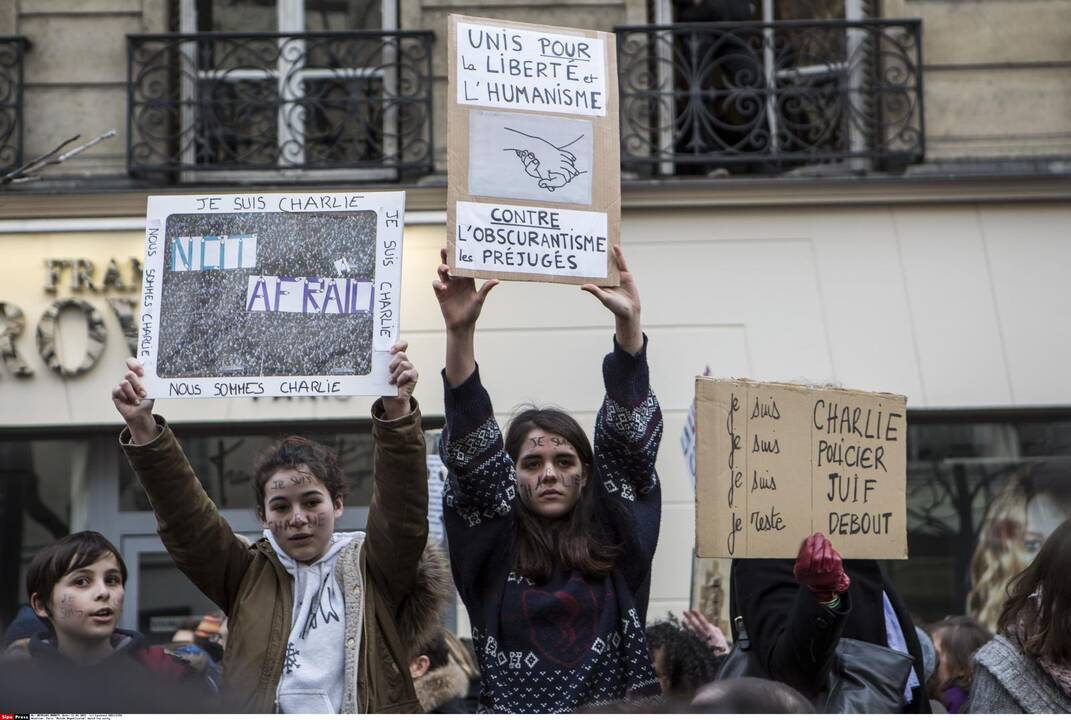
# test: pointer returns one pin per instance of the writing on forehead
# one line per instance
(297, 478)
(555, 440)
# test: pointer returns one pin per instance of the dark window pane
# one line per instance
(36, 481)
(343, 15)
(224, 464)
(982, 497)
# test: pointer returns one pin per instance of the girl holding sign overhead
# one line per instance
(551, 541)
(320, 621)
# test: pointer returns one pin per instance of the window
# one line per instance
(289, 102)
(982, 496)
(43, 486)
(761, 98)
(224, 464)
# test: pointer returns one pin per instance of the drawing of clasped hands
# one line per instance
(553, 166)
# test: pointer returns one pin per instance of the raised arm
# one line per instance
(481, 487)
(201, 543)
(398, 514)
(794, 612)
(630, 420)
(628, 430)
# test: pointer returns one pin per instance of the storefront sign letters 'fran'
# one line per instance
(293, 294)
(777, 462)
(117, 276)
(533, 176)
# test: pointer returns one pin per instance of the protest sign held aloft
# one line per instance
(271, 294)
(777, 462)
(534, 190)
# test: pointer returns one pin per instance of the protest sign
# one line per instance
(534, 185)
(287, 294)
(778, 462)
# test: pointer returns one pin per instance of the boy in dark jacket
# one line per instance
(76, 587)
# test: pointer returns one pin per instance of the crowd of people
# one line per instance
(550, 537)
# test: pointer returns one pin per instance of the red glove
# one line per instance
(821, 569)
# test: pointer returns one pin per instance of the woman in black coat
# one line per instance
(796, 612)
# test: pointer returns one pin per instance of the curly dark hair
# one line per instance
(688, 663)
(292, 453)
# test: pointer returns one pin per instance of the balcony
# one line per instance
(303, 106)
(12, 50)
(766, 98)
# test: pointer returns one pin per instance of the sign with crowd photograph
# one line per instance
(293, 294)
(534, 185)
(778, 462)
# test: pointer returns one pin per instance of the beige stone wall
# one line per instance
(432, 15)
(75, 73)
(997, 76)
(997, 73)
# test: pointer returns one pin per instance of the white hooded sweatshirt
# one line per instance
(314, 666)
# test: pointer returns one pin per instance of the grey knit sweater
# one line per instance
(1005, 680)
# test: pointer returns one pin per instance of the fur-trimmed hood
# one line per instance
(420, 614)
(441, 685)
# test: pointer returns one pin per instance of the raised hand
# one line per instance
(461, 304)
(459, 300)
(706, 631)
(821, 568)
(136, 409)
(624, 302)
(404, 375)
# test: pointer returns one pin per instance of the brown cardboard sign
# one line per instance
(777, 462)
(533, 155)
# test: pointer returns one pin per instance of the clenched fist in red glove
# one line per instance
(821, 569)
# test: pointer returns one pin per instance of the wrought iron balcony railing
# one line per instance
(354, 101)
(12, 50)
(766, 97)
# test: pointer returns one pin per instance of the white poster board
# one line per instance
(533, 152)
(271, 294)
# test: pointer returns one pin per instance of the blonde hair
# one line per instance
(1000, 553)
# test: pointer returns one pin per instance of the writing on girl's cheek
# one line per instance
(311, 522)
(569, 481)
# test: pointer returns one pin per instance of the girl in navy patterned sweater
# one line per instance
(551, 543)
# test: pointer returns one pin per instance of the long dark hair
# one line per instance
(579, 541)
(1038, 609)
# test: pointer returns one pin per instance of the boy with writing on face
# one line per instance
(320, 621)
(76, 587)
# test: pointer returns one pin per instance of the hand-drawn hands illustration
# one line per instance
(552, 165)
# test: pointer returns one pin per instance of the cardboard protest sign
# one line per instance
(271, 294)
(534, 189)
(777, 462)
